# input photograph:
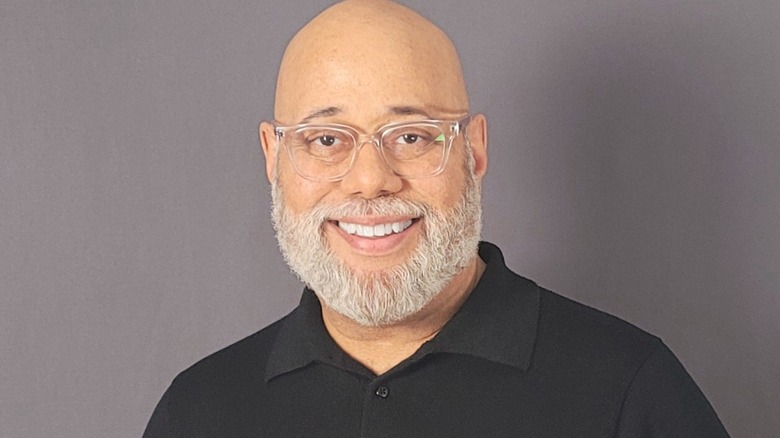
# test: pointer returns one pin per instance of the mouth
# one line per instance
(375, 230)
(375, 236)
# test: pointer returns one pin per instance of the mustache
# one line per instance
(386, 206)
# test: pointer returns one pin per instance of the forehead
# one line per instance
(367, 74)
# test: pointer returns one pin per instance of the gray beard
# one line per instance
(449, 242)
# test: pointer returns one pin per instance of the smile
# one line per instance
(378, 230)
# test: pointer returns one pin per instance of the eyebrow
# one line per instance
(397, 110)
(324, 112)
(409, 110)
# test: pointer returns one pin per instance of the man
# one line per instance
(409, 327)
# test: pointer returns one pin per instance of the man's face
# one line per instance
(434, 218)
(371, 180)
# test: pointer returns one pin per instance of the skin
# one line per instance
(366, 64)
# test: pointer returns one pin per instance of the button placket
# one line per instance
(379, 408)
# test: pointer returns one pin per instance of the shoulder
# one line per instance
(624, 370)
(575, 338)
(205, 394)
(584, 355)
(572, 323)
(238, 364)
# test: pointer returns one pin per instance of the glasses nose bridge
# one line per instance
(375, 139)
(361, 139)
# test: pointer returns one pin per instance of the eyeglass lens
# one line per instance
(321, 152)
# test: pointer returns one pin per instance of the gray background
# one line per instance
(635, 166)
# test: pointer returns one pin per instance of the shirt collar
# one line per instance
(497, 322)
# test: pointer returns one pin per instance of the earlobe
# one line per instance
(268, 143)
(477, 134)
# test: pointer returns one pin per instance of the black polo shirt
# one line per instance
(515, 361)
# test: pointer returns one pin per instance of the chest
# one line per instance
(444, 396)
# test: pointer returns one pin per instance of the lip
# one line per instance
(375, 246)
(373, 220)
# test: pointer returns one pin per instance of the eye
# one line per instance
(410, 138)
(325, 140)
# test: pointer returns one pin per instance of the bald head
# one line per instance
(366, 58)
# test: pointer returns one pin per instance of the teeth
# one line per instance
(375, 230)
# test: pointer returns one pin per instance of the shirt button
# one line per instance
(383, 391)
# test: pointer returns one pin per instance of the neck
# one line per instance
(381, 348)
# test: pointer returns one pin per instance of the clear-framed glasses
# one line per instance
(327, 152)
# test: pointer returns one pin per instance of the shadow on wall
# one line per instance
(670, 206)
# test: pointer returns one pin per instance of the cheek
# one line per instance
(451, 192)
(300, 195)
(443, 191)
(454, 177)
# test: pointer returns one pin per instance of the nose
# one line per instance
(370, 177)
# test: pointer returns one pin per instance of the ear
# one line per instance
(477, 134)
(269, 144)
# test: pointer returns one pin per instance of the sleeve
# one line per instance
(663, 401)
(159, 423)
